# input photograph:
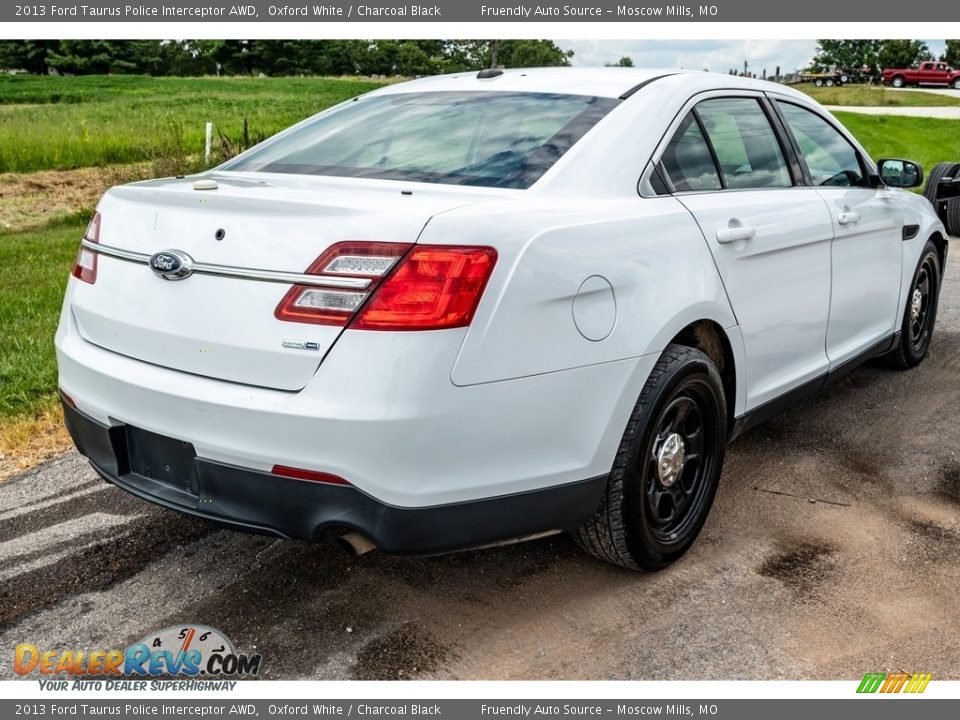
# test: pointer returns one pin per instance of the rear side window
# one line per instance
(744, 143)
(491, 139)
(687, 159)
(830, 158)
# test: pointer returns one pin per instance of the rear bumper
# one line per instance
(257, 501)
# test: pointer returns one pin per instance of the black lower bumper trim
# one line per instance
(260, 502)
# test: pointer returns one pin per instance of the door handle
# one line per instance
(848, 218)
(729, 235)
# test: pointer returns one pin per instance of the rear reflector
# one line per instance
(85, 266)
(434, 287)
(311, 475)
(428, 287)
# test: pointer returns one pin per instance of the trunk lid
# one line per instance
(224, 327)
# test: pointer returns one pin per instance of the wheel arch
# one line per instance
(713, 341)
(942, 244)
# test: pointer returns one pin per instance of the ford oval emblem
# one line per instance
(171, 264)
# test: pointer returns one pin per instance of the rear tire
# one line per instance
(898, 82)
(956, 84)
(920, 314)
(667, 469)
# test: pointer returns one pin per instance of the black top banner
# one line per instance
(474, 11)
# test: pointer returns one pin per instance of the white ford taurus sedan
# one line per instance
(482, 307)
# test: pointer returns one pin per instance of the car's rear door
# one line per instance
(770, 238)
(866, 257)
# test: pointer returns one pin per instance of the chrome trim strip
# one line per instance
(240, 273)
(115, 252)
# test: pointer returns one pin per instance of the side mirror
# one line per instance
(900, 173)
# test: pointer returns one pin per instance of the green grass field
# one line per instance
(71, 122)
(874, 96)
(48, 123)
(926, 140)
(34, 267)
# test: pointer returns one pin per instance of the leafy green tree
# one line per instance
(902, 53)
(952, 55)
(401, 57)
(277, 57)
(86, 57)
(29, 55)
(846, 54)
(625, 61)
(532, 53)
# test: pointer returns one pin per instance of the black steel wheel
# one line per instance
(920, 314)
(667, 469)
(677, 464)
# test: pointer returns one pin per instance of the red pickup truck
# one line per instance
(929, 73)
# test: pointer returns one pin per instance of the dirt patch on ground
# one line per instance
(949, 482)
(404, 653)
(29, 441)
(801, 567)
(30, 200)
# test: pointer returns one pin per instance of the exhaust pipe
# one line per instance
(357, 544)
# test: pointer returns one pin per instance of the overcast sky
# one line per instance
(716, 55)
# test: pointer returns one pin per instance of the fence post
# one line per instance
(208, 147)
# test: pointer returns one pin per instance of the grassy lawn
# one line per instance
(873, 96)
(49, 123)
(926, 140)
(34, 267)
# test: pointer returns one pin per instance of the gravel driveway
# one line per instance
(833, 549)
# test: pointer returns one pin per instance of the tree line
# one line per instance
(275, 57)
(875, 55)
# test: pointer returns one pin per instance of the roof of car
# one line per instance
(610, 82)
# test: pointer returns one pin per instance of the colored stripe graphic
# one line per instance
(919, 682)
(871, 682)
(894, 682)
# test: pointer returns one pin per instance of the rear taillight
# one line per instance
(85, 266)
(430, 287)
(434, 287)
(336, 305)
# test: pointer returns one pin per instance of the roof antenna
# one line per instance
(489, 73)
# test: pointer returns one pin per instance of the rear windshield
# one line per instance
(481, 138)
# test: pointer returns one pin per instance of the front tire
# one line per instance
(920, 314)
(667, 469)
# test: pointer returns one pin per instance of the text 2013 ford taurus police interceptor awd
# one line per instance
(482, 307)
